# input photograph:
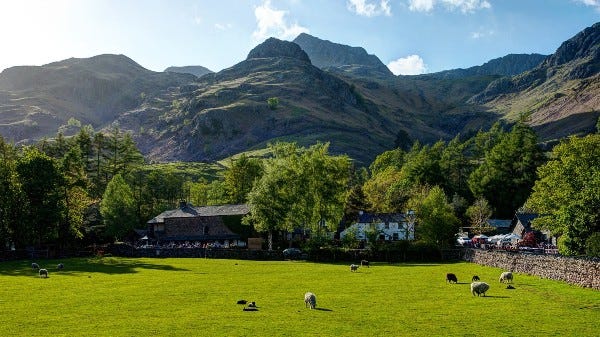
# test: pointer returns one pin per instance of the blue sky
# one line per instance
(410, 36)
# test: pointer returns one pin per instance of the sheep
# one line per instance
(364, 263)
(60, 266)
(506, 276)
(44, 273)
(354, 267)
(35, 266)
(479, 288)
(475, 278)
(451, 278)
(310, 300)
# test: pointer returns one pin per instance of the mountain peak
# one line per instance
(326, 54)
(273, 47)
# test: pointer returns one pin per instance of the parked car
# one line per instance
(292, 253)
(463, 240)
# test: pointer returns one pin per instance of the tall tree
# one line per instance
(240, 177)
(567, 193)
(41, 180)
(118, 208)
(479, 213)
(508, 171)
(12, 201)
(436, 222)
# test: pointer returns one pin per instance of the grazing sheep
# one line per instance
(44, 273)
(506, 276)
(354, 267)
(475, 278)
(364, 263)
(310, 300)
(451, 278)
(60, 266)
(35, 266)
(252, 305)
(479, 288)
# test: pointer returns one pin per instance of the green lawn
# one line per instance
(197, 297)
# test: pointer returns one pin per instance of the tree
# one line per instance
(12, 199)
(300, 188)
(508, 171)
(273, 102)
(40, 181)
(240, 177)
(118, 208)
(435, 222)
(74, 192)
(567, 193)
(479, 213)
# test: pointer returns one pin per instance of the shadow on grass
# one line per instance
(492, 296)
(323, 309)
(76, 267)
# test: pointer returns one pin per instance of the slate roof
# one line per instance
(499, 223)
(525, 219)
(188, 211)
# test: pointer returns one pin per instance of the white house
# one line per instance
(389, 226)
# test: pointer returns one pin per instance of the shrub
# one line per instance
(273, 102)
(592, 245)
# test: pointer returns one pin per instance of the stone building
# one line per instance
(206, 224)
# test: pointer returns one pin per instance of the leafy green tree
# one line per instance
(74, 193)
(508, 171)
(435, 222)
(12, 199)
(300, 188)
(273, 103)
(240, 177)
(567, 193)
(40, 181)
(455, 168)
(479, 213)
(393, 158)
(118, 208)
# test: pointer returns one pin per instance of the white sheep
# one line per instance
(479, 288)
(44, 273)
(506, 276)
(35, 266)
(310, 300)
(353, 267)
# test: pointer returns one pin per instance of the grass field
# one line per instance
(197, 297)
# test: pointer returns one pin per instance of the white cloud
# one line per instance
(410, 65)
(593, 3)
(481, 34)
(272, 22)
(368, 9)
(465, 6)
(225, 26)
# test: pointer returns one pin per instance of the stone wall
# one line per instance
(583, 272)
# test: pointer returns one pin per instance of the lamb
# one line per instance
(35, 266)
(44, 273)
(475, 278)
(506, 276)
(479, 288)
(451, 278)
(60, 266)
(364, 263)
(354, 267)
(310, 300)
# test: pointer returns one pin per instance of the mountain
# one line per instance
(327, 55)
(325, 91)
(227, 112)
(35, 101)
(561, 96)
(509, 65)
(194, 70)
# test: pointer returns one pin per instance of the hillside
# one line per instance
(36, 101)
(509, 65)
(561, 96)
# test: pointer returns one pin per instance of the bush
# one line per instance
(273, 102)
(592, 245)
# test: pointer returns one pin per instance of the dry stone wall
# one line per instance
(584, 272)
